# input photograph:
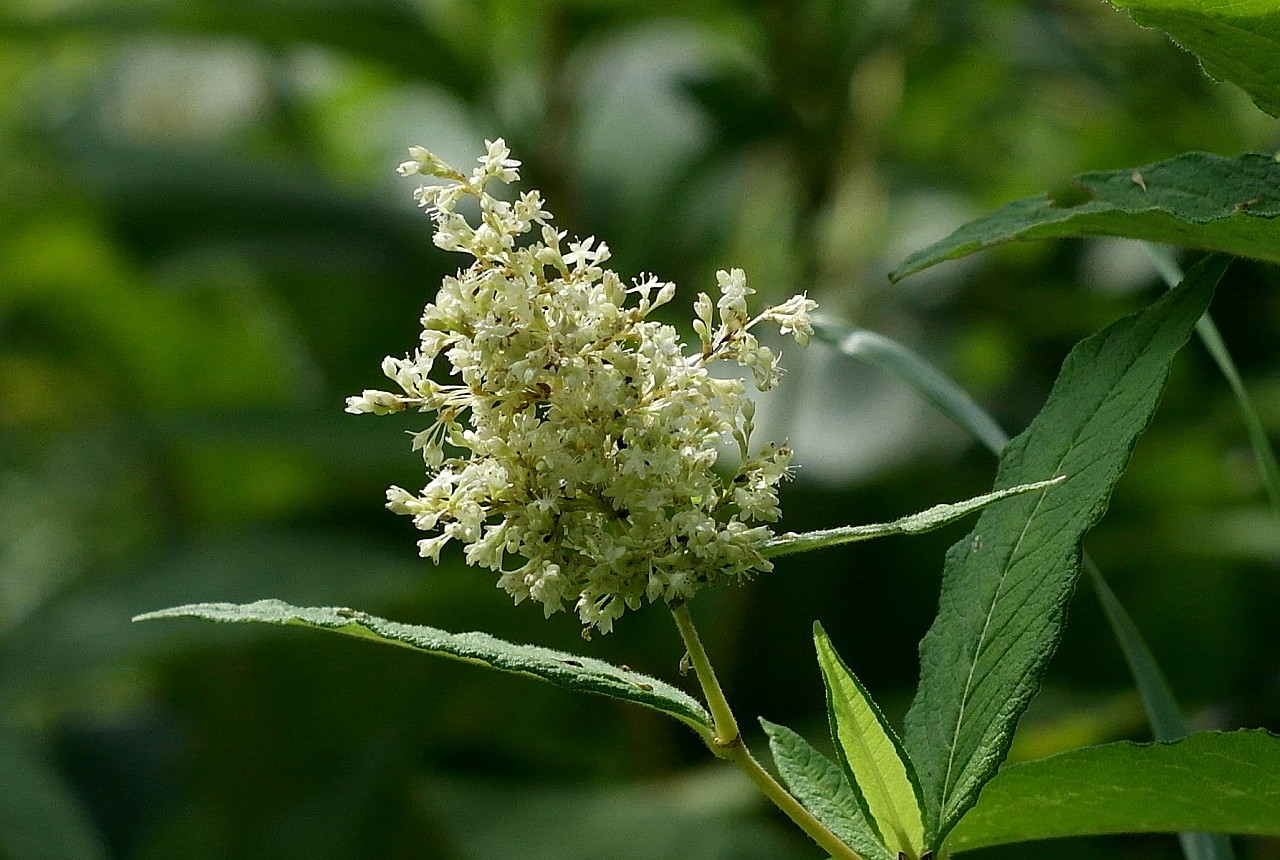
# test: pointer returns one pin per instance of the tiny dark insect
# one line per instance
(572, 663)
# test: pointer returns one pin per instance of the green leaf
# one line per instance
(1235, 41)
(918, 523)
(1166, 718)
(1163, 713)
(1221, 782)
(883, 781)
(557, 667)
(1005, 587)
(820, 786)
(1195, 199)
(40, 818)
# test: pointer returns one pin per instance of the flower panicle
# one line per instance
(573, 451)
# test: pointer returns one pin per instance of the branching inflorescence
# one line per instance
(574, 446)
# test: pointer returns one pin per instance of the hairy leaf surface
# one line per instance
(561, 668)
(820, 786)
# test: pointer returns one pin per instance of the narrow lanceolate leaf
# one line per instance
(918, 523)
(927, 381)
(1005, 587)
(883, 781)
(558, 667)
(1223, 782)
(820, 786)
(1236, 40)
(1195, 199)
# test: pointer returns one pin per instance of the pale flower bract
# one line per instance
(574, 445)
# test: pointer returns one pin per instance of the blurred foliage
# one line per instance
(203, 249)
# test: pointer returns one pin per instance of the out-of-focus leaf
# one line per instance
(1195, 199)
(388, 33)
(1217, 347)
(820, 786)
(930, 383)
(40, 819)
(1223, 782)
(561, 668)
(709, 814)
(1005, 587)
(1235, 41)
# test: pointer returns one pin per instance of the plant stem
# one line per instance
(727, 733)
(729, 745)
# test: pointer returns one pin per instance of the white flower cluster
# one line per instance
(573, 449)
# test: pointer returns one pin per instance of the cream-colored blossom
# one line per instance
(574, 442)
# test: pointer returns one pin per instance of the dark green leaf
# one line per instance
(820, 786)
(1222, 782)
(561, 668)
(1237, 42)
(1005, 587)
(1195, 199)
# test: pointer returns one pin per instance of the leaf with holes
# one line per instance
(1195, 199)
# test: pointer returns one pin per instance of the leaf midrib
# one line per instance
(968, 684)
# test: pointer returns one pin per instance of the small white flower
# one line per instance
(792, 317)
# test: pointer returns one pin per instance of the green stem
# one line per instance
(729, 745)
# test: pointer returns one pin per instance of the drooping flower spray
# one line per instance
(574, 442)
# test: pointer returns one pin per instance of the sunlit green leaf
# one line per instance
(820, 786)
(918, 523)
(883, 781)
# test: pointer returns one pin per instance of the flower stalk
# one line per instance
(729, 745)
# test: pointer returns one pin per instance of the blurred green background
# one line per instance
(204, 249)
